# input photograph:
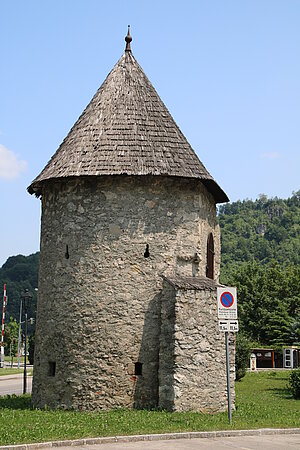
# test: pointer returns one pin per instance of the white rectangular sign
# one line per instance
(227, 302)
(233, 326)
(229, 325)
(223, 325)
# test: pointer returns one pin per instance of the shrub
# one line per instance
(242, 355)
(294, 383)
(31, 349)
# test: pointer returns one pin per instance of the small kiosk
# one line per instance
(264, 357)
(291, 357)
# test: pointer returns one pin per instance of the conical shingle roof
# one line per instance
(126, 130)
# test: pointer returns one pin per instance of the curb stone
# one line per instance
(152, 437)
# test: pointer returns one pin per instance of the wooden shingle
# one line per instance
(126, 130)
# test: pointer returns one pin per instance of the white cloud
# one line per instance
(270, 155)
(10, 164)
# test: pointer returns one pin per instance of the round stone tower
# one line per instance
(126, 207)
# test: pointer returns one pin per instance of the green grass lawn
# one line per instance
(9, 371)
(7, 359)
(262, 400)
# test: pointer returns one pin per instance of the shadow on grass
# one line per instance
(282, 393)
(276, 378)
(15, 402)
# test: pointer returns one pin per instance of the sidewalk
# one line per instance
(265, 438)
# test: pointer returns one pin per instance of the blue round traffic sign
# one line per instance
(227, 299)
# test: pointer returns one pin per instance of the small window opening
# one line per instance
(147, 253)
(67, 256)
(138, 368)
(210, 257)
(52, 368)
(195, 265)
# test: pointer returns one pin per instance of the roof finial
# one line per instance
(128, 39)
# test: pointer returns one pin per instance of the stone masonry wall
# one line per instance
(192, 369)
(99, 296)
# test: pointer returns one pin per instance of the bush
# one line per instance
(31, 349)
(242, 355)
(294, 383)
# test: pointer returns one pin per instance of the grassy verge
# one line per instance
(8, 359)
(262, 401)
(9, 371)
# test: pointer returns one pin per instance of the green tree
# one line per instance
(242, 356)
(20, 273)
(11, 333)
(31, 349)
(268, 301)
(278, 328)
(261, 230)
(295, 331)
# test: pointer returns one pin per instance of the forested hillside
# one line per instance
(260, 230)
(261, 256)
(19, 273)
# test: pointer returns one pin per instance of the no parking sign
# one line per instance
(227, 314)
(227, 303)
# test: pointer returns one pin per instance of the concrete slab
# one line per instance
(265, 438)
(269, 442)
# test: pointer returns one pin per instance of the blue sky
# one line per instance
(228, 71)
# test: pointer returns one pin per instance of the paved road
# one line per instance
(270, 442)
(13, 384)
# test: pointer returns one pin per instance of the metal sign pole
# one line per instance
(19, 338)
(2, 333)
(227, 315)
(228, 377)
